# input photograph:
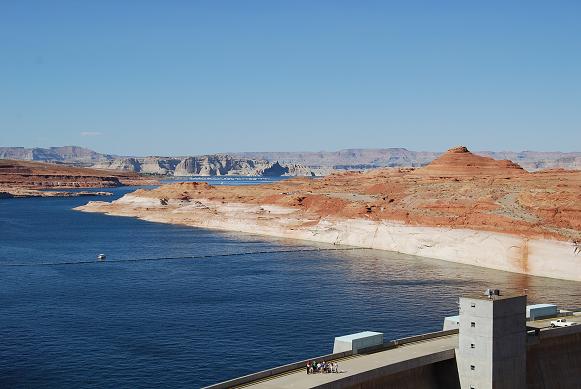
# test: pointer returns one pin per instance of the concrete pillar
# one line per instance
(491, 351)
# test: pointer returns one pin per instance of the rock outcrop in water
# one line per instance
(28, 179)
(462, 208)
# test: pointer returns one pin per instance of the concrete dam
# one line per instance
(495, 342)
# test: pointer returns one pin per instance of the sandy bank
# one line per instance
(501, 251)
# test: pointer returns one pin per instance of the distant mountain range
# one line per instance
(65, 154)
(399, 157)
(274, 163)
(204, 165)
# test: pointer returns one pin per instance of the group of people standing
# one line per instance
(322, 367)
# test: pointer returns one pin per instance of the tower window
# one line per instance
(472, 324)
(472, 367)
(472, 345)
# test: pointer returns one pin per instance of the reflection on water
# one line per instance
(389, 270)
(192, 323)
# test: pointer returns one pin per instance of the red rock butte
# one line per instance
(459, 161)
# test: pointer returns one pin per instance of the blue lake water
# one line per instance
(189, 323)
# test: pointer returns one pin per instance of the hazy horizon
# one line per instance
(178, 78)
(233, 152)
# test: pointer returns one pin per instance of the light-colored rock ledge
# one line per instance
(538, 257)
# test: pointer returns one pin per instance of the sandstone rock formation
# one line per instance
(459, 161)
(145, 165)
(205, 165)
(123, 164)
(220, 165)
(25, 179)
(462, 207)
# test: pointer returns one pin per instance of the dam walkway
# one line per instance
(393, 357)
(367, 366)
(417, 359)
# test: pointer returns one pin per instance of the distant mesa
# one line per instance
(459, 161)
(32, 179)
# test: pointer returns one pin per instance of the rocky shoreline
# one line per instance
(461, 208)
(519, 254)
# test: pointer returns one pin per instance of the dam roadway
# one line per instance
(426, 361)
(367, 367)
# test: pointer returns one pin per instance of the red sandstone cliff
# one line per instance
(458, 189)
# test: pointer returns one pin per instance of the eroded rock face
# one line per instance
(145, 165)
(124, 164)
(158, 165)
(205, 165)
(25, 175)
(214, 165)
(222, 165)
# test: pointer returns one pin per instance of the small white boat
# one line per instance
(101, 257)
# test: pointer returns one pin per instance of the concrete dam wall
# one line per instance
(553, 361)
(439, 375)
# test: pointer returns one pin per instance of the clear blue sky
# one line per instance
(191, 77)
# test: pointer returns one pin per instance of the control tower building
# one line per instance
(491, 351)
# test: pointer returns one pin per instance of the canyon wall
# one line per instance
(319, 163)
(205, 165)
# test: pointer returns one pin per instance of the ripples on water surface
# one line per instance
(189, 323)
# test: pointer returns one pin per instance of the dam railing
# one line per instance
(247, 379)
